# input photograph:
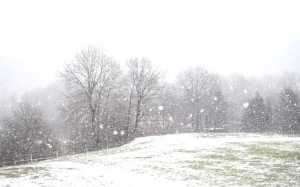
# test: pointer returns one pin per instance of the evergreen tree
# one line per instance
(218, 112)
(254, 118)
(289, 113)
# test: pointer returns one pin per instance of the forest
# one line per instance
(97, 103)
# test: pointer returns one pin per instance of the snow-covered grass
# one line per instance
(172, 160)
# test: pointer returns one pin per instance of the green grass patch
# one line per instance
(16, 172)
(143, 157)
(261, 150)
(187, 151)
(196, 165)
(224, 157)
(10, 175)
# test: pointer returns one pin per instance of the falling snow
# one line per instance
(191, 159)
(246, 105)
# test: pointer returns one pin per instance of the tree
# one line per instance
(254, 118)
(236, 88)
(198, 87)
(289, 111)
(218, 111)
(143, 85)
(291, 80)
(25, 133)
(269, 116)
(89, 81)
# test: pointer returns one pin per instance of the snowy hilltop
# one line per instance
(204, 159)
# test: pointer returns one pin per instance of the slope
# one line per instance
(172, 160)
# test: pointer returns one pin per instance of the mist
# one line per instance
(250, 38)
(107, 76)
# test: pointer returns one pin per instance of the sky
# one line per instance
(248, 37)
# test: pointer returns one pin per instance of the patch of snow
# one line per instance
(200, 159)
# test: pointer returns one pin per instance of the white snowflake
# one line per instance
(246, 105)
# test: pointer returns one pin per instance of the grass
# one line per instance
(196, 159)
(17, 171)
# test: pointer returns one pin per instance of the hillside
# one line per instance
(172, 160)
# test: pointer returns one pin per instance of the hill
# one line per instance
(172, 160)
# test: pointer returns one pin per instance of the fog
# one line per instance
(86, 76)
(252, 38)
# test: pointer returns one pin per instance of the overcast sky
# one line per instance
(248, 37)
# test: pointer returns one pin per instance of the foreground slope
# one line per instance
(172, 160)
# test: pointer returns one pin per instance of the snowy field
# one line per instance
(172, 160)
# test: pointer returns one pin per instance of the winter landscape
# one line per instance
(172, 160)
(149, 93)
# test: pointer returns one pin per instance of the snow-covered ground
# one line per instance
(172, 160)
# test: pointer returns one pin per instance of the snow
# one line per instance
(246, 105)
(172, 160)
(160, 107)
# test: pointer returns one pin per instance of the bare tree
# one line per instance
(25, 133)
(143, 84)
(198, 85)
(89, 80)
(291, 80)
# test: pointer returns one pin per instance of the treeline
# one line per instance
(97, 103)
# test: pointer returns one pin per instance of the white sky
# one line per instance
(249, 37)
